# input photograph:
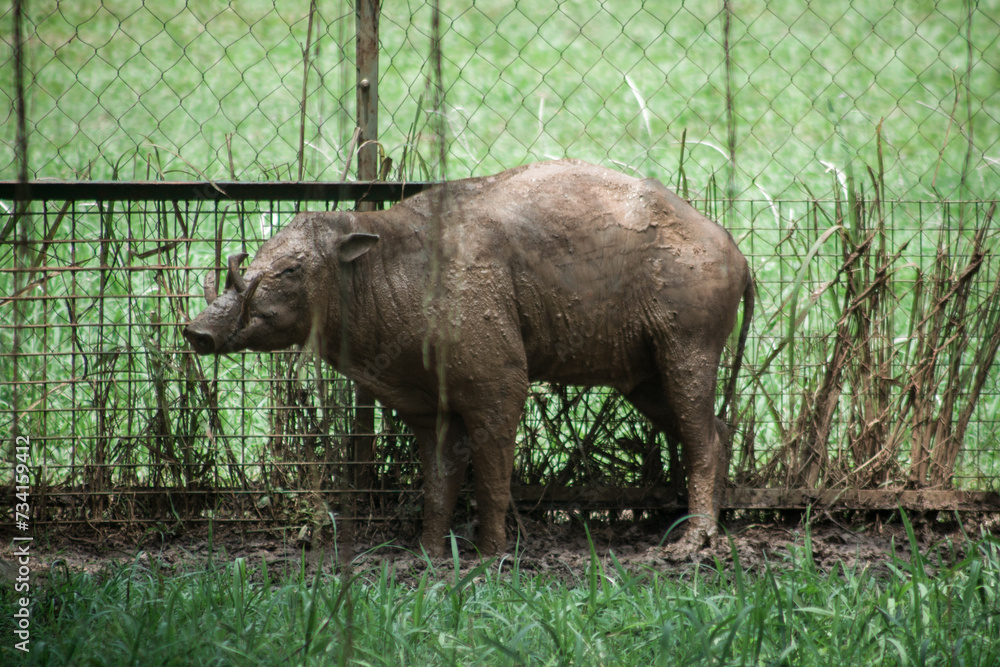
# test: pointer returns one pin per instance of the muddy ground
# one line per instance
(561, 551)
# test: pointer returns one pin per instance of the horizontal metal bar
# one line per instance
(181, 492)
(55, 190)
(862, 499)
(330, 191)
(661, 497)
(140, 521)
(836, 499)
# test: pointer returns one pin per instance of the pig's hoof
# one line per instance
(693, 542)
(434, 551)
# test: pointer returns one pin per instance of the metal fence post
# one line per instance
(20, 245)
(367, 16)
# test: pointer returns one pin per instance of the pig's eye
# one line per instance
(290, 270)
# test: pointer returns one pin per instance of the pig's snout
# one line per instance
(202, 341)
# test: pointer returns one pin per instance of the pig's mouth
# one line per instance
(201, 341)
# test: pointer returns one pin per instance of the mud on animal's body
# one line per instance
(560, 271)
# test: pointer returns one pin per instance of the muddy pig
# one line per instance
(559, 271)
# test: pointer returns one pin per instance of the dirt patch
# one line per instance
(561, 551)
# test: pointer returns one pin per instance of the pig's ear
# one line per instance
(354, 245)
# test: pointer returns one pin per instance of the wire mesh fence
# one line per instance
(766, 97)
(96, 371)
(850, 148)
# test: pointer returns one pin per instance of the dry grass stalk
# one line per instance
(919, 390)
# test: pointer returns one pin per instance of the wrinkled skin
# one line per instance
(559, 271)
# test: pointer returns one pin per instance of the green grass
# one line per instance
(210, 89)
(918, 610)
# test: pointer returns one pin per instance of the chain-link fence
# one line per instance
(851, 148)
(768, 98)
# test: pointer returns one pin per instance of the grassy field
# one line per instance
(940, 610)
(218, 91)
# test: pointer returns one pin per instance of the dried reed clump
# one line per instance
(904, 363)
